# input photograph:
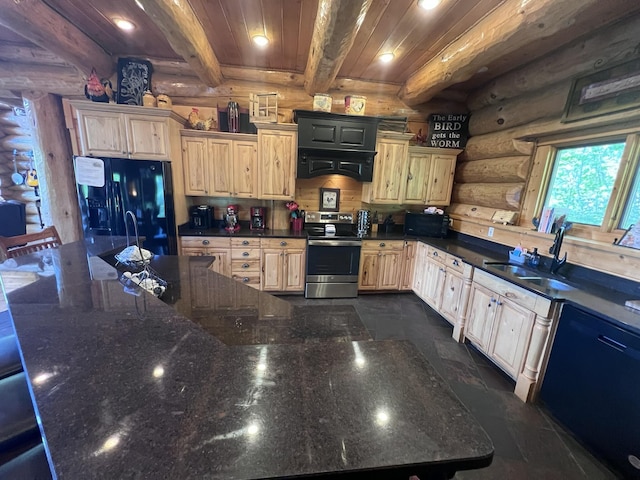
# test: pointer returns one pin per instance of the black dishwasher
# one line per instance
(592, 387)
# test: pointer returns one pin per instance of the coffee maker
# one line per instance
(232, 223)
(201, 217)
(257, 218)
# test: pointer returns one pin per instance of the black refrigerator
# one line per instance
(109, 187)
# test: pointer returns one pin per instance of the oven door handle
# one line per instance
(335, 243)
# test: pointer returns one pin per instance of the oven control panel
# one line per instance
(328, 217)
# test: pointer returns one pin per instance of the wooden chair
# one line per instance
(31, 242)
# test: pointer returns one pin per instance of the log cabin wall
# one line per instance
(15, 134)
(508, 117)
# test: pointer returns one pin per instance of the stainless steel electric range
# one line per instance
(333, 255)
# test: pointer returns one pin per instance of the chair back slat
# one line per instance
(19, 245)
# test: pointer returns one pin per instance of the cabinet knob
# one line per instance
(410, 177)
(245, 279)
(245, 265)
(456, 263)
(283, 244)
(435, 254)
(245, 242)
(442, 269)
(382, 244)
(245, 254)
(498, 303)
(205, 242)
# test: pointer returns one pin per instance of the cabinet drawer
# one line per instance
(245, 242)
(245, 254)
(518, 295)
(207, 242)
(194, 252)
(283, 243)
(383, 245)
(239, 266)
(454, 263)
(437, 255)
(251, 278)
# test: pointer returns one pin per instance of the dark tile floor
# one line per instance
(528, 443)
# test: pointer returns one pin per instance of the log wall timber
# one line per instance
(609, 46)
(500, 196)
(54, 163)
(475, 198)
(544, 103)
(495, 170)
(49, 78)
(16, 134)
(40, 24)
(513, 30)
(495, 145)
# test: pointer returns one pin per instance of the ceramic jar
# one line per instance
(164, 101)
(148, 100)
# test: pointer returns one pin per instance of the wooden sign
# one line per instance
(448, 130)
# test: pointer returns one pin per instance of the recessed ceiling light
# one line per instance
(260, 40)
(124, 24)
(483, 69)
(386, 57)
(428, 4)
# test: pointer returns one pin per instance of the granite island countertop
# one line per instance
(194, 386)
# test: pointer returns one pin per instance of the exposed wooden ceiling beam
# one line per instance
(336, 25)
(40, 24)
(510, 28)
(179, 24)
(46, 78)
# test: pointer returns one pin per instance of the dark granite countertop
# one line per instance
(220, 381)
(185, 231)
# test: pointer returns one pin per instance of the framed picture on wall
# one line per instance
(329, 199)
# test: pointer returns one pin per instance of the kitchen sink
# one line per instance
(550, 283)
(512, 269)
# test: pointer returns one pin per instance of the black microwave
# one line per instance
(426, 225)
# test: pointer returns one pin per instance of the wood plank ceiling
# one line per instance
(498, 34)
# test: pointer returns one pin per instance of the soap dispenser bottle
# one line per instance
(534, 258)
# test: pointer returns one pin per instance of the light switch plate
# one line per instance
(504, 217)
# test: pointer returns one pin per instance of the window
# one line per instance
(594, 180)
(582, 181)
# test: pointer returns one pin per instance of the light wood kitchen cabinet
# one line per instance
(440, 179)
(277, 160)
(245, 260)
(283, 264)
(388, 183)
(220, 164)
(404, 174)
(218, 247)
(381, 264)
(408, 264)
(443, 281)
(123, 131)
(511, 325)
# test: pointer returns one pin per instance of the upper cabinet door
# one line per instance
(277, 155)
(417, 177)
(388, 171)
(102, 134)
(441, 179)
(245, 169)
(220, 168)
(148, 138)
(194, 161)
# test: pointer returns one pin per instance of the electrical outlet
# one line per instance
(490, 232)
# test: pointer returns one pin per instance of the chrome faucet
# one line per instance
(556, 261)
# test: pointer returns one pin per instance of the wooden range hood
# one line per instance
(331, 143)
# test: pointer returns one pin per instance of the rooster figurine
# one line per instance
(98, 91)
(194, 121)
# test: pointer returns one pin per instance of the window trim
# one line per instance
(542, 169)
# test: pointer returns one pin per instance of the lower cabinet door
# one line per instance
(294, 270)
(510, 337)
(482, 308)
(451, 296)
(272, 262)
